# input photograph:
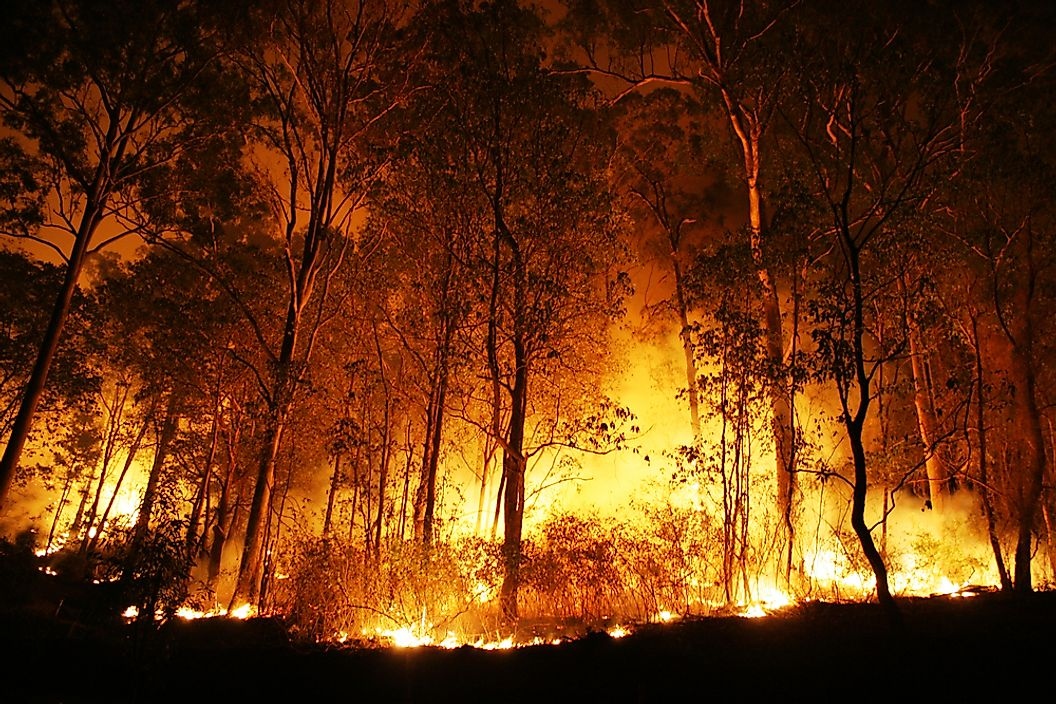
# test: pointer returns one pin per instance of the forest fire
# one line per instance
(449, 327)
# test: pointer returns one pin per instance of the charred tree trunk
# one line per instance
(855, 422)
(1033, 462)
(513, 467)
(383, 473)
(513, 458)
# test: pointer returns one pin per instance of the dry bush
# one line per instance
(335, 591)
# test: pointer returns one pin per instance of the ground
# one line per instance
(944, 648)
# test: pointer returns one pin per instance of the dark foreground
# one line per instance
(946, 648)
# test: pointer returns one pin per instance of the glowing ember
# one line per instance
(619, 632)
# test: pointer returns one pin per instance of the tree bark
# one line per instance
(161, 453)
(34, 390)
(984, 478)
(925, 410)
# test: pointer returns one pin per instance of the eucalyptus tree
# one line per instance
(731, 55)
(325, 73)
(95, 97)
(26, 286)
(876, 131)
(527, 151)
(998, 222)
(176, 333)
(661, 162)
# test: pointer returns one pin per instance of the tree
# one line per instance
(97, 99)
(732, 55)
(531, 154)
(874, 139)
(660, 162)
(326, 73)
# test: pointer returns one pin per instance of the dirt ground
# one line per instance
(945, 649)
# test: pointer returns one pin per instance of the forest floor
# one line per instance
(944, 649)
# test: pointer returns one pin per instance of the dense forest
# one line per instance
(435, 318)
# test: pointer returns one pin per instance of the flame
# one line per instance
(664, 616)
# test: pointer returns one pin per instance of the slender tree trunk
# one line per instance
(925, 409)
(487, 459)
(405, 496)
(226, 509)
(165, 437)
(749, 132)
(854, 424)
(109, 448)
(513, 464)
(251, 566)
(1033, 460)
(335, 482)
(984, 479)
(421, 494)
(202, 493)
(692, 392)
(356, 459)
(64, 496)
(383, 473)
(77, 526)
(38, 377)
(434, 459)
(132, 451)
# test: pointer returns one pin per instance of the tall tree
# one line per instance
(733, 55)
(531, 151)
(326, 72)
(875, 134)
(96, 97)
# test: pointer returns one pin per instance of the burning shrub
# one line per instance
(154, 574)
(570, 571)
(336, 591)
(667, 561)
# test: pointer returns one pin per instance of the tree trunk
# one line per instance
(251, 566)
(132, 451)
(925, 409)
(165, 437)
(854, 425)
(434, 459)
(1021, 371)
(383, 473)
(513, 465)
(226, 509)
(38, 377)
(335, 482)
(201, 495)
(749, 132)
(109, 448)
(984, 479)
(693, 393)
